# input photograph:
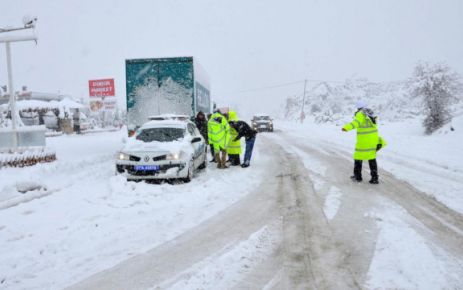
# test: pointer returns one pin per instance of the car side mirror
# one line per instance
(195, 140)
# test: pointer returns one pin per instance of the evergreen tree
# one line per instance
(438, 86)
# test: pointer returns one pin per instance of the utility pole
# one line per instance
(29, 23)
(303, 101)
(8, 41)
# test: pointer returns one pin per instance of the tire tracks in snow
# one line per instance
(312, 258)
(444, 223)
(434, 220)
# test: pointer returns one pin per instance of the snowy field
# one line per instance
(84, 219)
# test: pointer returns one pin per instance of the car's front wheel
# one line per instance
(204, 164)
(189, 176)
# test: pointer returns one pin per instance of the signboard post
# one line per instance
(99, 91)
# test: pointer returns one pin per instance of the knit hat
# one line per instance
(361, 104)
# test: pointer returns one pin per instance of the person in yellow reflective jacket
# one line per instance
(368, 141)
(234, 147)
(218, 132)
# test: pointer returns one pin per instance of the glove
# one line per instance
(378, 147)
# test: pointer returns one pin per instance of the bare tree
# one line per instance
(438, 86)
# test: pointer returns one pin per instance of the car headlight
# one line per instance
(123, 156)
(173, 156)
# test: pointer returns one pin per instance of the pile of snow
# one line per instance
(399, 247)
(36, 104)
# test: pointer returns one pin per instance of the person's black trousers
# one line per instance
(234, 159)
(212, 153)
(373, 169)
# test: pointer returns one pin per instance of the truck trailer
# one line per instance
(157, 86)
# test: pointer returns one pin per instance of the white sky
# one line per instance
(242, 44)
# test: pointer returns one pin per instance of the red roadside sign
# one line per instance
(101, 88)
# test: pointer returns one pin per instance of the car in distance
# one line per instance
(262, 122)
(166, 149)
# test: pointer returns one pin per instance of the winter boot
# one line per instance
(218, 160)
(224, 159)
(357, 171)
(374, 180)
(373, 171)
(245, 164)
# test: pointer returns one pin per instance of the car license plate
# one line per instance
(146, 167)
(263, 126)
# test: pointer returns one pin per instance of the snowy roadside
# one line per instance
(432, 164)
(405, 259)
(93, 220)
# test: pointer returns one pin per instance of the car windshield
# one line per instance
(160, 134)
(261, 118)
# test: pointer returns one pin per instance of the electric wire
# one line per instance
(280, 86)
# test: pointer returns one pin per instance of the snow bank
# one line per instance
(404, 259)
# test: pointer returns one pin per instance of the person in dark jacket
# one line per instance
(210, 144)
(249, 134)
(201, 124)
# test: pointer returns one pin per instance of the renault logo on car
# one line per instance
(147, 158)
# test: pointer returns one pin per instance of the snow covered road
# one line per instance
(293, 220)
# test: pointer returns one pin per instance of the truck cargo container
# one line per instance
(157, 86)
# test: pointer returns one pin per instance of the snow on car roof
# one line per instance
(261, 115)
(168, 117)
(164, 123)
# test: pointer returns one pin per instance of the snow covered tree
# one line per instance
(438, 86)
(293, 105)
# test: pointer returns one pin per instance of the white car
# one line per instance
(168, 149)
(262, 122)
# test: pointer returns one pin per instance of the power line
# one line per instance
(279, 86)
(266, 88)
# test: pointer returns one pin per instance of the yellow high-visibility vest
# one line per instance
(367, 136)
(234, 147)
(218, 132)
